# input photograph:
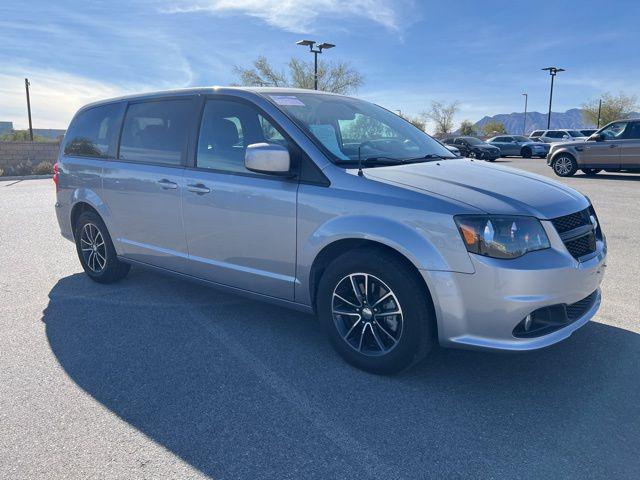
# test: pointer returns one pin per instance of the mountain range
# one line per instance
(514, 122)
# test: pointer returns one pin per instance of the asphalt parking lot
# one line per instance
(156, 378)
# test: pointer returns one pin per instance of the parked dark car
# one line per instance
(519, 145)
(473, 147)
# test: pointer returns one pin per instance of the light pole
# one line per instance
(315, 51)
(524, 123)
(26, 86)
(599, 112)
(552, 71)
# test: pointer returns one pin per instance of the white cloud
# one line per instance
(55, 96)
(297, 15)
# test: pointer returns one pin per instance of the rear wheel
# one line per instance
(590, 172)
(377, 314)
(564, 165)
(95, 250)
(526, 152)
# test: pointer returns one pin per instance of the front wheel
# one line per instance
(96, 251)
(376, 311)
(471, 155)
(591, 172)
(564, 165)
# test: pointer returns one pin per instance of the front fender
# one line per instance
(430, 248)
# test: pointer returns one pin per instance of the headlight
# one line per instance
(501, 236)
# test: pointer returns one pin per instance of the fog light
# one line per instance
(527, 322)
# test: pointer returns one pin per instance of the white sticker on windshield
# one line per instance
(288, 100)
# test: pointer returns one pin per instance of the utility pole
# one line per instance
(599, 112)
(315, 51)
(552, 71)
(524, 123)
(26, 86)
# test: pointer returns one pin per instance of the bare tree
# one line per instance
(332, 77)
(614, 107)
(442, 113)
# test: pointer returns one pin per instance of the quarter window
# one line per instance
(633, 131)
(156, 132)
(93, 132)
(227, 128)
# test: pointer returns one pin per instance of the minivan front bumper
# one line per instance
(481, 310)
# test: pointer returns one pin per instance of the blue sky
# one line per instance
(483, 54)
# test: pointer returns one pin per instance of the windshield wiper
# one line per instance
(371, 161)
(429, 157)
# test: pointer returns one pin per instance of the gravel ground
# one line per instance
(156, 378)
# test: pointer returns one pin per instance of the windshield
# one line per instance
(346, 128)
(575, 133)
(473, 141)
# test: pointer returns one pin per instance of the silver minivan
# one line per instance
(334, 206)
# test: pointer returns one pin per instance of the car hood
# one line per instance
(484, 147)
(486, 187)
(572, 143)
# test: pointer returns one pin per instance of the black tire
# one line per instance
(564, 165)
(591, 172)
(99, 259)
(412, 333)
(471, 154)
(526, 152)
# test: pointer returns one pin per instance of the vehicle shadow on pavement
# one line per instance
(240, 389)
(612, 176)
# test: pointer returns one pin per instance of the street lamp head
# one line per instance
(553, 70)
(326, 46)
(305, 43)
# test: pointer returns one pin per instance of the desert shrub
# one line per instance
(43, 168)
(1, 172)
(24, 167)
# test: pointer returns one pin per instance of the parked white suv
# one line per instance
(553, 136)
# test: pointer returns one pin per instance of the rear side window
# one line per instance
(94, 132)
(156, 132)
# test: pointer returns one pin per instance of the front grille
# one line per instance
(569, 222)
(582, 246)
(578, 309)
(578, 243)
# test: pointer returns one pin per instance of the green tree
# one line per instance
(332, 77)
(467, 128)
(441, 114)
(614, 107)
(22, 136)
(493, 127)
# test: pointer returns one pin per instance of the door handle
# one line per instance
(198, 188)
(613, 146)
(167, 184)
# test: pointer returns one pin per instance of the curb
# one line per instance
(25, 177)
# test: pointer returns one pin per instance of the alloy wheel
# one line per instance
(367, 314)
(94, 250)
(563, 165)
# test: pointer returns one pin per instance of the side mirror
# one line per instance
(596, 137)
(565, 137)
(267, 158)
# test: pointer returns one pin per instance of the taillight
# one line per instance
(55, 176)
